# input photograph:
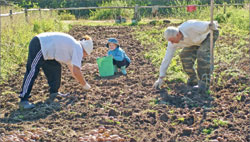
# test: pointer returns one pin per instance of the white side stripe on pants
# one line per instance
(31, 73)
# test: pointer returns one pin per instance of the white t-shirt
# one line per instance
(61, 47)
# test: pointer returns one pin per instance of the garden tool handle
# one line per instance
(211, 43)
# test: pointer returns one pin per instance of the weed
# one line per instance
(7, 92)
(181, 119)
(238, 97)
(218, 122)
(207, 131)
(171, 111)
(149, 110)
(174, 123)
(20, 116)
(154, 102)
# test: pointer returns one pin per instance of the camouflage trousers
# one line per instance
(201, 53)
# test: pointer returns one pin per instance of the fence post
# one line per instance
(26, 14)
(40, 13)
(155, 10)
(11, 15)
(136, 15)
(50, 12)
(0, 45)
(225, 8)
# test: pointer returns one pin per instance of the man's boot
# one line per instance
(192, 82)
(202, 87)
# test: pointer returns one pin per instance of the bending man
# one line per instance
(194, 37)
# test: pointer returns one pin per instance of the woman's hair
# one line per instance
(171, 32)
(86, 37)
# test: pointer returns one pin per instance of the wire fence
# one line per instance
(136, 8)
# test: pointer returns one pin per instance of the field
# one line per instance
(128, 106)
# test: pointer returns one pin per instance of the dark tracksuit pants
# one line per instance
(119, 64)
(51, 68)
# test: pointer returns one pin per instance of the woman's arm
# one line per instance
(77, 74)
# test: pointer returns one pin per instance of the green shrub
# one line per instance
(37, 27)
(103, 14)
(67, 16)
(221, 18)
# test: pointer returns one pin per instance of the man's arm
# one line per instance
(167, 59)
(164, 65)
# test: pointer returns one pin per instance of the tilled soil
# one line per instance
(127, 105)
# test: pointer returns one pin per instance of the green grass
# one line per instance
(16, 38)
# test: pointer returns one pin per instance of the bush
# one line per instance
(103, 14)
(67, 16)
(221, 18)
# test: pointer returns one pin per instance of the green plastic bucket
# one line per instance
(105, 66)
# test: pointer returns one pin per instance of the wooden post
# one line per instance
(76, 15)
(155, 10)
(136, 15)
(50, 12)
(11, 15)
(0, 44)
(211, 44)
(26, 14)
(79, 14)
(225, 8)
(40, 13)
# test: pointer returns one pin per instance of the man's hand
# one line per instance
(86, 86)
(158, 83)
(212, 26)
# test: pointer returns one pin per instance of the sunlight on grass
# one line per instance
(16, 37)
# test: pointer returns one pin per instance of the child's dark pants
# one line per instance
(119, 64)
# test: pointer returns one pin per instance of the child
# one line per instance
(120, 59)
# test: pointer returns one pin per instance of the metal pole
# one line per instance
(211, 44)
